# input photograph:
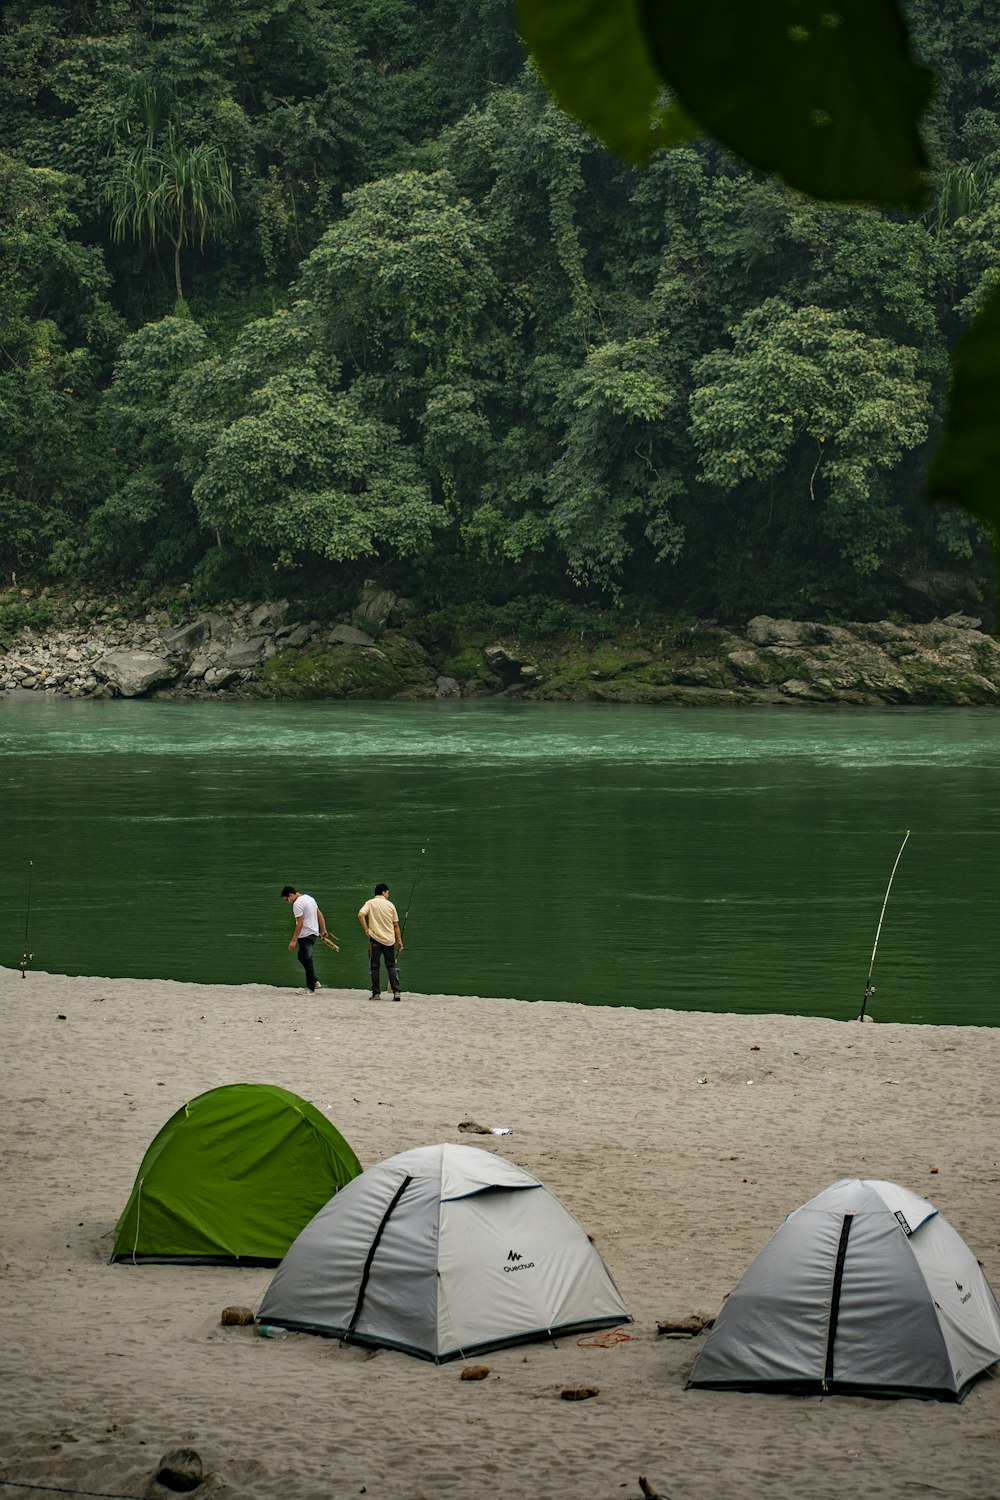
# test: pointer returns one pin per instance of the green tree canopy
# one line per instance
(306, 472)
(147, 526)
(404, 271)
(833, 410)
(56, 338)
(285, 464)
(431, 251)
(612, 489)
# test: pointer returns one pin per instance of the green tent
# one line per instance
(234, 1175)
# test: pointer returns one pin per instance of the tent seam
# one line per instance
(138, 1212)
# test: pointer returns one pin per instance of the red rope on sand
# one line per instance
(606, 1340)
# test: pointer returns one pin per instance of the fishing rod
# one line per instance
(406, 912)
(869, 987)
(25, 955)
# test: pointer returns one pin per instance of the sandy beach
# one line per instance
(679, 1181)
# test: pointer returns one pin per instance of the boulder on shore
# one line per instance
(133, 673)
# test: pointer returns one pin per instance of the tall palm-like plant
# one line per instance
(963, 191)
(171, 191)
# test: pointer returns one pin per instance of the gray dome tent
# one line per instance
(865, 1290)
(443, 1251)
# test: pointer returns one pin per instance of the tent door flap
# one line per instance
(371, 1255)
(838, 1278)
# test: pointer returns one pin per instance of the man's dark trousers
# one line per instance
(376, 952)
(305, 956)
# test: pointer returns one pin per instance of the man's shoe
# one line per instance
(396, 995)
(375, 995)
(317, 986)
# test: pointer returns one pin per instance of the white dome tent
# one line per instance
(864, 1290)
(443, 1251)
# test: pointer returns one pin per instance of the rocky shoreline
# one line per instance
(93, 649)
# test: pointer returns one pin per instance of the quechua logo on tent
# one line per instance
(515, 1262)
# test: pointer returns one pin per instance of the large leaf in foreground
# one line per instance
(966, 467)
(823, 93)
(594, 58)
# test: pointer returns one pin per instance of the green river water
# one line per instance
(700, 859)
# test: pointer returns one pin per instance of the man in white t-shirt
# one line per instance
(309, 925)
(380, 925)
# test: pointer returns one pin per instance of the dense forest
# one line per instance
(297, 294)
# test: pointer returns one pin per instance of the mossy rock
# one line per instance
(583, 674)
(745, 664)
(407, 656)
(610, 660)
(469, 665)
(397, 665)
(986, 654)
(930, 683)
(629, 689)
(698, 674)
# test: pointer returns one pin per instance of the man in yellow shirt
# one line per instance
(380, 925)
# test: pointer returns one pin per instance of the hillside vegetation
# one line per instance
(298, 294)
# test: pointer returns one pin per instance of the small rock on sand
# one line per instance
(236, 1315)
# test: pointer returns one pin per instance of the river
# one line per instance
(700, 859)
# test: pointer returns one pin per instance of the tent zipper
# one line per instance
(371, 1256)
(838, 1277)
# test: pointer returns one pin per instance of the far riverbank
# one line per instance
(110, 647)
